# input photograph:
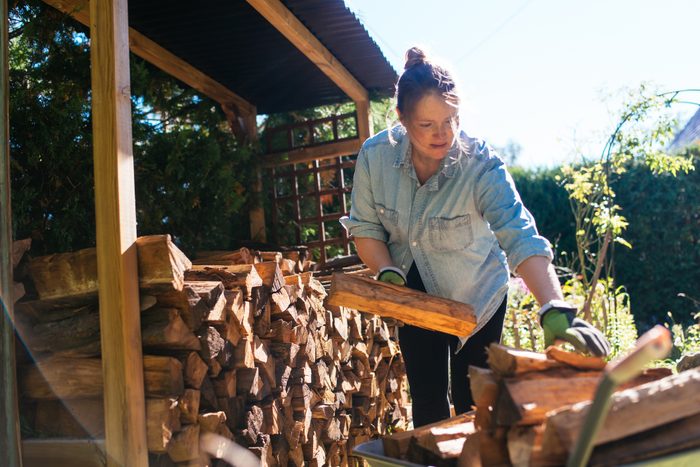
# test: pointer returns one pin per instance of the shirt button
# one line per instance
(381, 211)
(414, 243)
(403, 266)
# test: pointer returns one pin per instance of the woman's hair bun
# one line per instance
(414, 56)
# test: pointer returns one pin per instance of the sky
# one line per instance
(548, 75)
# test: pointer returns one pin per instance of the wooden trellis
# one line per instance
(310, 194)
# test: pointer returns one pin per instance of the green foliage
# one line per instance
(665, 233)
(547, 200)
(643, 132)
(610, 313)
(50, 130)
(190, 173)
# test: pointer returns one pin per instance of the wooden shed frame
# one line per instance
(111, 40)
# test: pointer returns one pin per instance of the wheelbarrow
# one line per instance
(653, 345)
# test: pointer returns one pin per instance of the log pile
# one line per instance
(529, 409)
(240, 344)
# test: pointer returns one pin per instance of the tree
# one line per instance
(191, 174)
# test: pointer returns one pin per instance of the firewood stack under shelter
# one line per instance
(239, 344)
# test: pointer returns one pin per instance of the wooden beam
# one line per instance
(289, 25)
(9, 427)
(153, 53)
(324, 151)
(117, 269)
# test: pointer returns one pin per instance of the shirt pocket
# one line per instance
(390, 220)
(450, 234)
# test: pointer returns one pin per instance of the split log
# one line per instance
(264, 361)
(241, 256)
(669, 438)
(506, 361)
(188, 403)
(65, 276)
(80, 378)
(162, 376)
(75, 335)
(211, 422)
(410, 306)
(446, 442)
(161, 264)
(62, 378)
(484, 386)
(244, 276)
(527, 400)
(397, 444)
(249, 384)
(194, 370)
(163, 328)
(162, 420)
(211, 343)
(631, 411)
(76, 418)
(575, 359)
(244, 355)
(524, 443)
(188, 302)
(184, 446)
(226, 384)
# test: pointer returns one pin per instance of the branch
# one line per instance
(594, 280)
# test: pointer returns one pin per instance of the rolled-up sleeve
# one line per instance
(500, 204)
(363, 220)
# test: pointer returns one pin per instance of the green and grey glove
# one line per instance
(392, 275)
(559, 322)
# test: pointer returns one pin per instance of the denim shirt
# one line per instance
(463, 227)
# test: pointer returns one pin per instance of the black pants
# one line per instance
(431, 363)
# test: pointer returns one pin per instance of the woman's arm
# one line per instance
(540, 277)
(374, 253)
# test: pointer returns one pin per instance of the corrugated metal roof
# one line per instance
(230, 42)
(689, 134)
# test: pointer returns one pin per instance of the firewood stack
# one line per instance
(239, 344)
(530, 408)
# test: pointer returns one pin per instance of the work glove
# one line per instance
(392, 275)
(559, 322)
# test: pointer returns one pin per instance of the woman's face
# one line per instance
(431, 126)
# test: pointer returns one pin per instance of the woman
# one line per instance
(436, 210)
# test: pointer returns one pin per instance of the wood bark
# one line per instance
(632, 411)
(412, 307)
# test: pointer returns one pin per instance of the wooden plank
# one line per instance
(9, 427)
(410, 306)
(153, 53)
(117, 267)
(320, 152)
(62, 452)
(289, 25)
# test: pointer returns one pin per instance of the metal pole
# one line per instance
(9, 427)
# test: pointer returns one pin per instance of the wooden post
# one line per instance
(364, 120)
(9, 429)
(257, 211)
(117, 270)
